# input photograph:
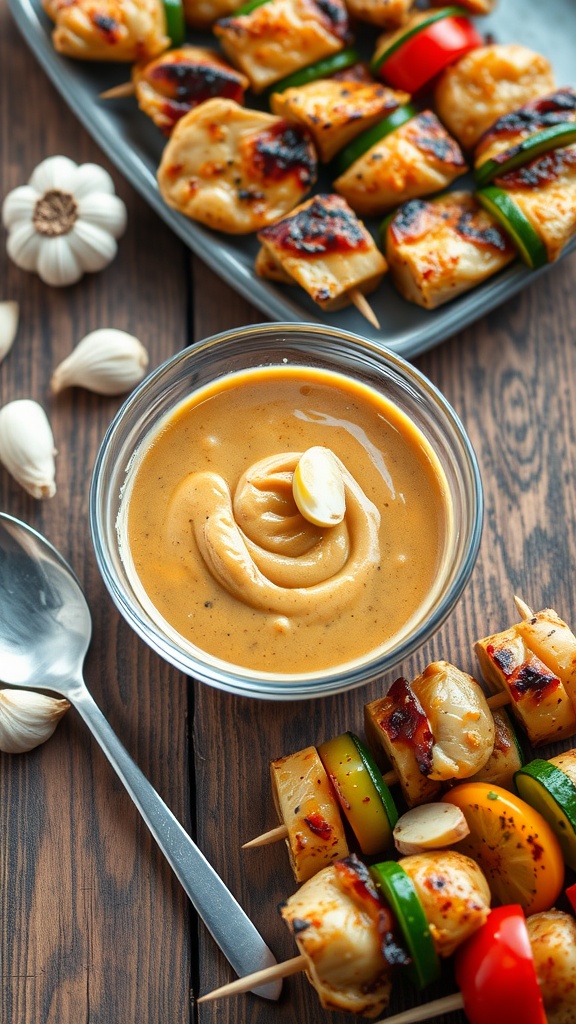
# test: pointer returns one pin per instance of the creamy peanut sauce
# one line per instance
(210, 527)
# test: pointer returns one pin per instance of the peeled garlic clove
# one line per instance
(9, 312)
(318, 487)
(27, 719)
(106, 361)
(27, 447)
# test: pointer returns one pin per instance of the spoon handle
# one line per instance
(230, 927)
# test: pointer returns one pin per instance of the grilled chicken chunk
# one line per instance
(306, 804)
(340, 925)
(335, 112)
(487, 83)
(176, 82)
(397, 725)
(281, 36)
(122, 30)
(538, 697)
(500, 140)
(384, 13)
(545, 191)
(461, 721)
(552, 937)
(203, 13)
(454, 894)
(323, 247)
(439, 248)
(554, 643)
(506, 757)
(416, 159)
(235, 170)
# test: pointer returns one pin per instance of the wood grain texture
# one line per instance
(93, 925)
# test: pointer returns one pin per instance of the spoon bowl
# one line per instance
(45, 630)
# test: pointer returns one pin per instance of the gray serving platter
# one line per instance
(134, 145)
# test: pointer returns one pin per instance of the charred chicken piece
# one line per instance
(281, 36)
(335, 112)
(179, 80)
(306, 804)
(115, 30)
(461, 721)
(545, 191)
(487, 83)
(384, 13)
(234, 169)
(506, 757)
(436, 729)
(454, 893)
(323, 247)
(500, 140)
(538, 697)
(344, 930)
(439, 248)
(552, 937)
(414, 160)
(398, 726)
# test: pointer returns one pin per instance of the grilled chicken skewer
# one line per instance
(348, 935)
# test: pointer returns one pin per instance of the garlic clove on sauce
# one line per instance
(9, 313)
(107, 361)
(27, 447)
(318, 487)
(27, 719)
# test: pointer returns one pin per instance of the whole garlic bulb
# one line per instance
(106, 361)
(27, 447)
(27, 719)
(65, 221)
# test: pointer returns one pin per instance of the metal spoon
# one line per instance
(45, 630)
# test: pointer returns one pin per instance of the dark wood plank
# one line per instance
(93, 924)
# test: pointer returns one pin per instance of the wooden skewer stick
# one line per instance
(298, 963)
(117, 92)
(257, 979)
(524, 610)
(364, 307)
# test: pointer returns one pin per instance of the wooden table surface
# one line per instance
(93, 925)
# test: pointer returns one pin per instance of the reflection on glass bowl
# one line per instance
(208, 558)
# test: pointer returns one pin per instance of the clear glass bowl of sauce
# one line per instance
(205, 552)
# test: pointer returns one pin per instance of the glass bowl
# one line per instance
(306, 345)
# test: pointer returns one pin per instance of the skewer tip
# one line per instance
(363, 306)
(524, 610)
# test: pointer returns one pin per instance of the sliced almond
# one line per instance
(318, 487)
(429, 827)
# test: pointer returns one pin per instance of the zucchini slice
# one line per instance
(530, 246)
(555, 137)
(363, 795)
(175, 23)
(362, 143)
(551, 792)
(400, 893)
(321, 69)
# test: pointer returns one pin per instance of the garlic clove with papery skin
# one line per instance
(9, 313)
(27, 447)
(107, 361)
(27, 719)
